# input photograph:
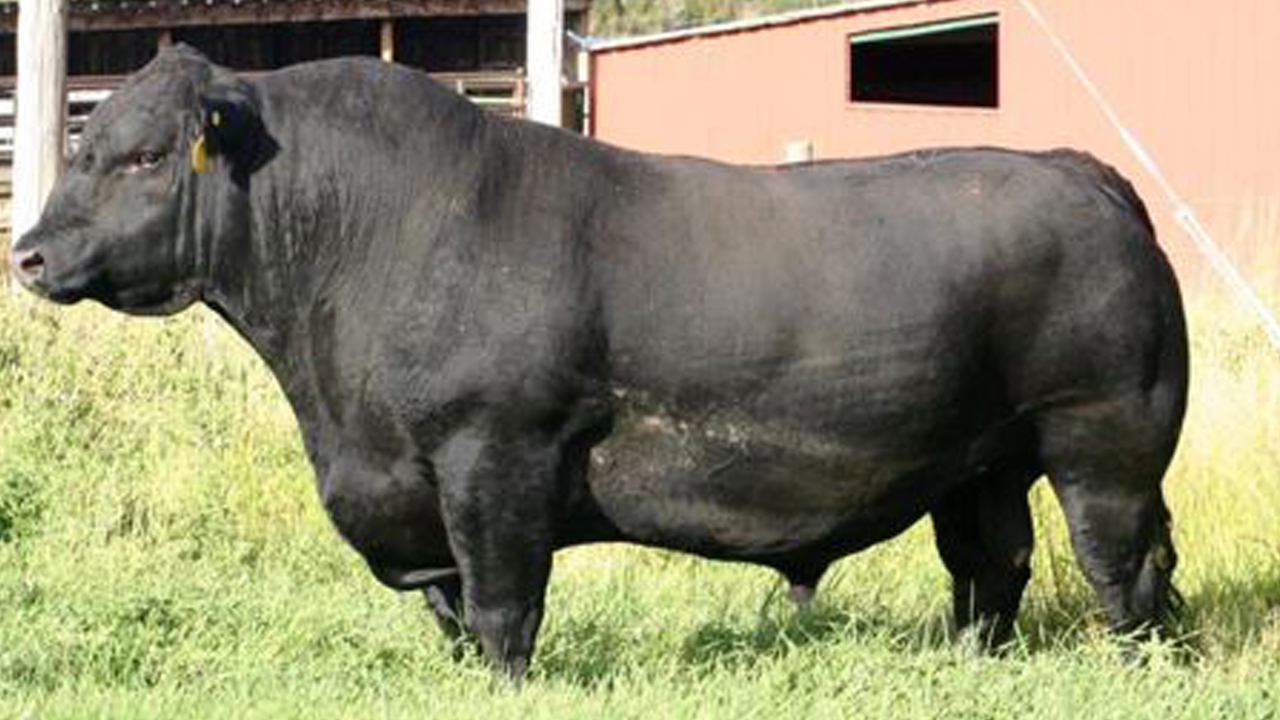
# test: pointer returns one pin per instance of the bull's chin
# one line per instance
(151, 304)
(147, 302)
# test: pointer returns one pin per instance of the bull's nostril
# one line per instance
(30, 262)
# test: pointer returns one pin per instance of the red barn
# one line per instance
(1193, 80)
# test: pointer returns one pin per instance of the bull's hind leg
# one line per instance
(1105, 461)
(984, 534)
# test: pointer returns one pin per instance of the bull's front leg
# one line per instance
(497, 494)
(444, 599)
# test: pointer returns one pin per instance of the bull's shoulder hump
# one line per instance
(357, 80)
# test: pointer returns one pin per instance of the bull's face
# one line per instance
(119, 226)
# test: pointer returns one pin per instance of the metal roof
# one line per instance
(787, 18)
(130, 14)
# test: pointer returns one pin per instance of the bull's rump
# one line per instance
(825, 350)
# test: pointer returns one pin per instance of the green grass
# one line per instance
(612, 18)
(162, 555)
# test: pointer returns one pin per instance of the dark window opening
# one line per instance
(267, 47)
(109, 52)
(953, 63)
(461, 44)
(242, 47)
(305, 42)
(8, 55)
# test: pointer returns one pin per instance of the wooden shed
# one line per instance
(1192, 79)
(474, 46)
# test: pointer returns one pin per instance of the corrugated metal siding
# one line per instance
(1194, 80)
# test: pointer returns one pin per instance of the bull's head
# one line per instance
(123, 224)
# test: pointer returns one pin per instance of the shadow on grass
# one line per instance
(782, 631)
(596, 651)
(1226, 613)
(1222, 614)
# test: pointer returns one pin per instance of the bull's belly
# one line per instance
(751, 491)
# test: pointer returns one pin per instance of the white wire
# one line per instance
(1182, 212)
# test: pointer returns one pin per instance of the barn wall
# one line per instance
(1189, 78)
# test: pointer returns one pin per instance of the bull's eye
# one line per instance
(145, 160)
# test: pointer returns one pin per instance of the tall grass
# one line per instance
(162, 555)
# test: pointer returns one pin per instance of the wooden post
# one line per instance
(387, 38)
(519, 95)
(544, 58)
(39, 141)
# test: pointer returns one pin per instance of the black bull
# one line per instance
(501, 339)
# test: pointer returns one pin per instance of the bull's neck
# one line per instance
(315, 226)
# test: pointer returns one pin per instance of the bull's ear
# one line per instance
(230, 129)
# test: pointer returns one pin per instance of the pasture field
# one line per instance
(163, 555)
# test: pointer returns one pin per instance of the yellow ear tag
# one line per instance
(216, 120)
(199, 158)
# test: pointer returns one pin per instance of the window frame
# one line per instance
(991, 18)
